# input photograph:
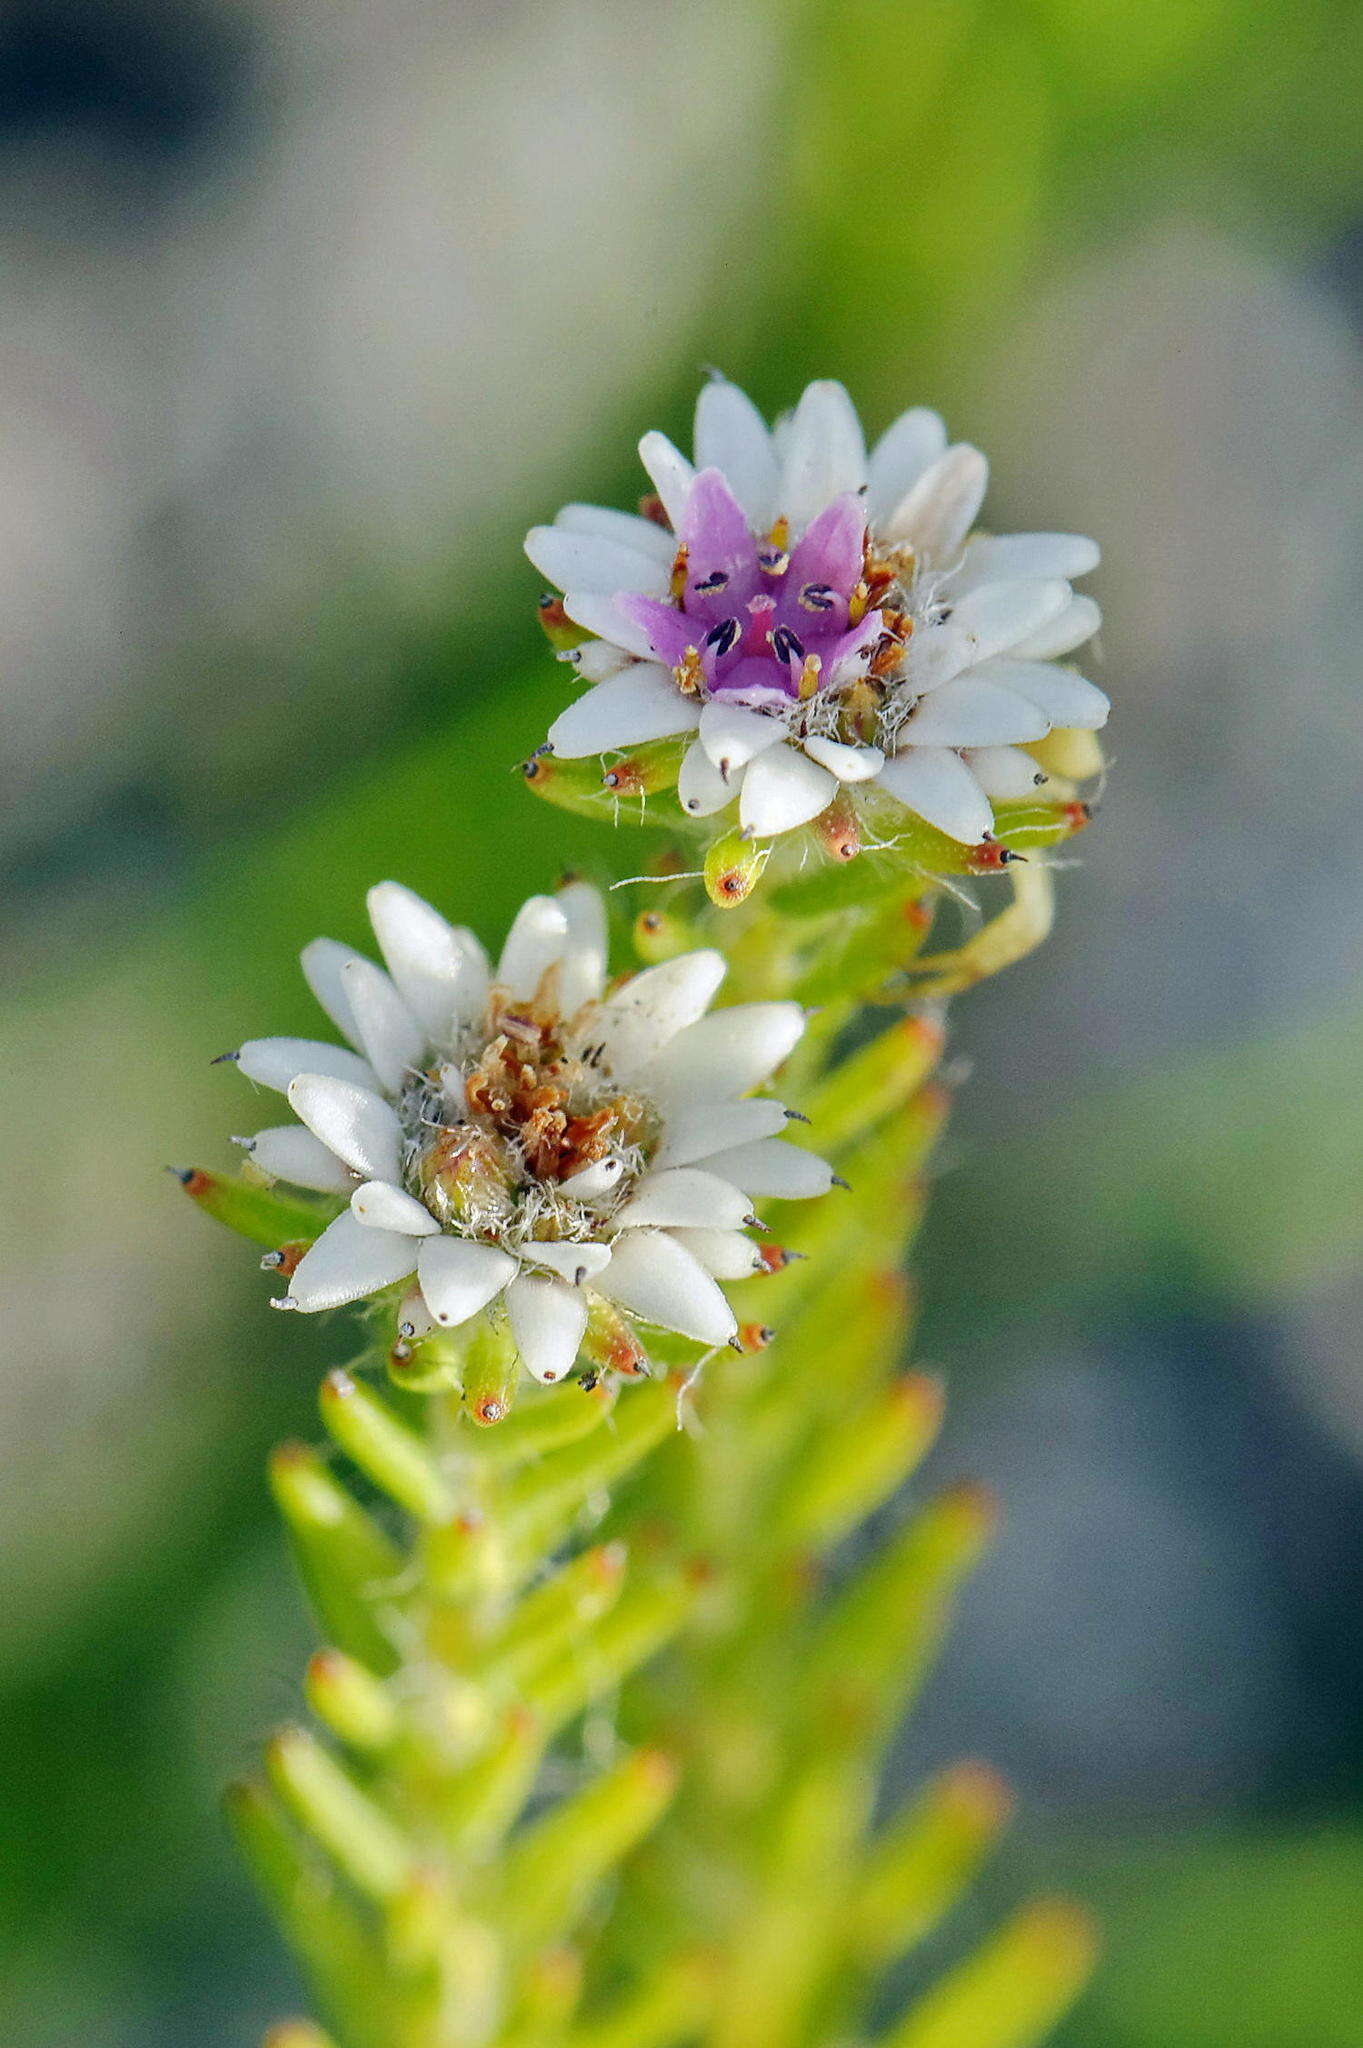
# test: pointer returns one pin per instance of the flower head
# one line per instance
(522, 1135)
(821, 619)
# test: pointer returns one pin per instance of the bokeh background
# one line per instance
(307, 311)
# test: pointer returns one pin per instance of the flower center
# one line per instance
(526, 1137)
(811, 631)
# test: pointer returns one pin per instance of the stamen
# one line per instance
(773, 561)
(859, 603)
(721, 638)
(817, 597)
(689, 675)
(809, 677)
(787, 646)
(677, 581)
(718, 579)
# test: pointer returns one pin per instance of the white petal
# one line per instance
(596, 660)
(642, 704)
(392, 1040)
(441, 971)
(658, 1279)
(825, 453)
(653, 1006)
(687, 1196)
(693, 1133)
(1004, 772)
(1078, 622)
(322, 961)
(770, 1166)
(289, 1152)
(937, 512)
(971, 711)
(415, 1320)
(701, 789)
(591, 562)
(592, 1181)
(1008, 557)
(726, 1254)
(732, 735)
(359, 1127)
(571, 1261)
(783, 789)
(598, 615)
(937, 785)
(986, 622)
(582, 970)
(537, 938)
(669, 471)
(899, 458)
(725, 1054)
(459, 1277)
(347, 1262)
(731, 435)
(998, 615)
(849, 764)
(645, 536)
(380, 1206)
(548, 1319)
(1057, 694)
(274, 1062)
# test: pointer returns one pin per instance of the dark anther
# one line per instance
(773, 561)
(722, 637)
(786, 646)
(817, 597)
(718, 579)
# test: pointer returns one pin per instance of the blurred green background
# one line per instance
(307, 313)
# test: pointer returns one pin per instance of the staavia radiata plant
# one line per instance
(609, 1663)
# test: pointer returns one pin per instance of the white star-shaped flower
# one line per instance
(520, 1136)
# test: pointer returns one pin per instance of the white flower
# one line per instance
(821, 618)
(522, 1136)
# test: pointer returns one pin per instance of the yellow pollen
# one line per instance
(690, 676)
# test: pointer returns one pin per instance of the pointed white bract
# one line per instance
(521, 1142)
(821, 616)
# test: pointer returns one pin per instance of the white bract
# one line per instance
(517, 1135)
(822, 620)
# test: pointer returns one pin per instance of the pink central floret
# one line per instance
(753, 612)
